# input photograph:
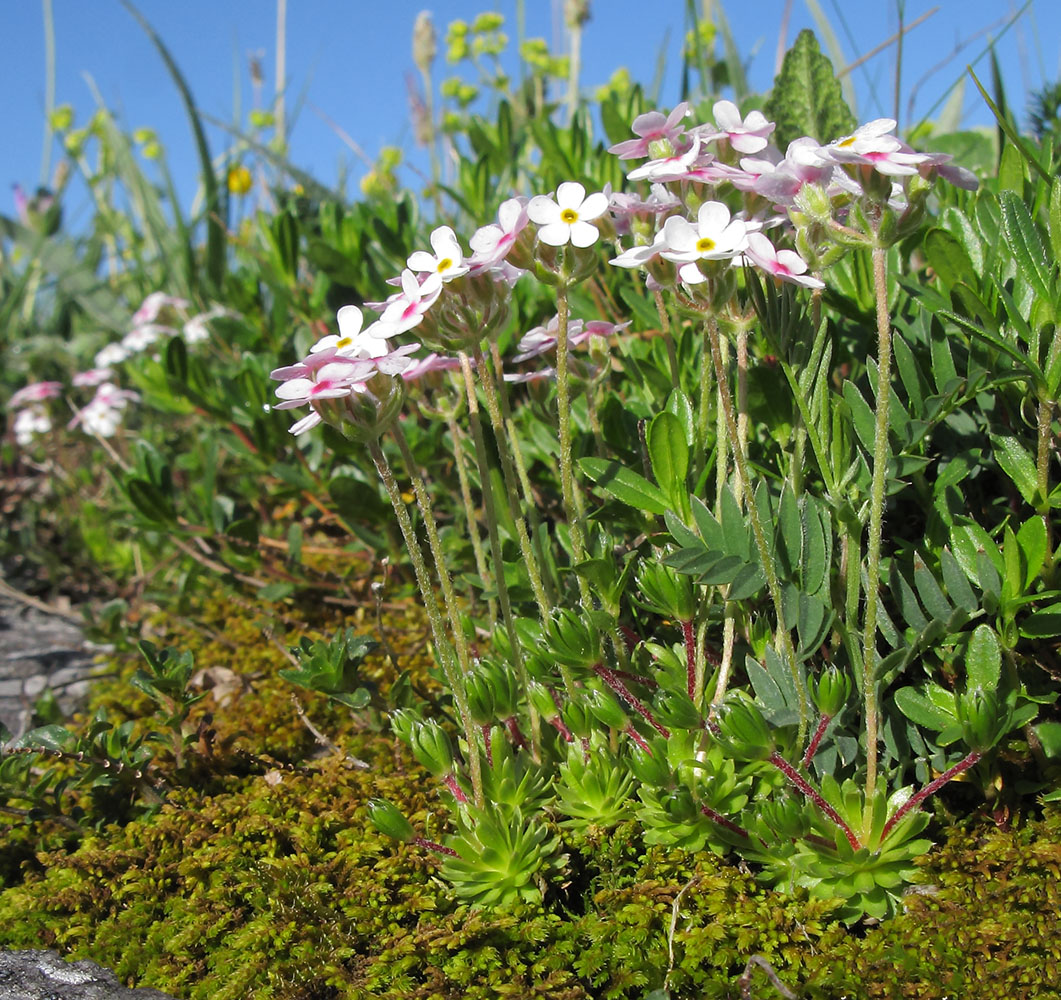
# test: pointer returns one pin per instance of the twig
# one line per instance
(323, 740)
(745, 981)
(674, 926)
(6, 590)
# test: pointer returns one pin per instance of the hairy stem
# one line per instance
(876, 518)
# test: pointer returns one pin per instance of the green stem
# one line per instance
(490, 510)
(469, 507)
(434, 616)
(527, 490)
(876, 517)
(668, 339)
(502, 435)
(1042, 469)
(572, 503)
(765, 557)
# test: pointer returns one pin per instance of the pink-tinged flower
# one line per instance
(427, 364)
(30, 423)
(103, 415)
(745, 135)
(331, 381)
(873, 145)
(651, 127)
(567, 220)
(544, 338)
(804, 163)
(94, 376)
(785, 265)
(112, 354)
(407, 310)
(639, 256)
(716, 236)
(142, 337)
(448, 259)
(195, 331)
(668, 168)
(311, 365)
(491, 244)
(35, 392)
(351, 341)
(518, 378)
(154, 304)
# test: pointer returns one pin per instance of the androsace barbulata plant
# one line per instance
(680, 618)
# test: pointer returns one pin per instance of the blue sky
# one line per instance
(347, 62)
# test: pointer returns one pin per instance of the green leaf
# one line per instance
(1055, 218)
(213, 210)
(983, 660)
(625, 485)
(917, 708)
(807, 98)
(817, 546)
(861, 415)
(1018, 464)
(1033, 545)
(1042, 624)
(948, 258)
(1049, 734)
(668, 452)
(957, 582)
(1026, 245)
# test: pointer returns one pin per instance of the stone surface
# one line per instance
(39, 651)
(43, 975)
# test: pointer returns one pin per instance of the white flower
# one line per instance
(714, 237)
(112, 354)
(567, 220)
(352, 341)
(407, 310)
(29, 423)
(447, 261)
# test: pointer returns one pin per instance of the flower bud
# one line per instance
(572, 640)
(432, 748)
(675, 710)
(403, 721)
(606, 709)
(388, 819)
(651, 769)
(481, 703)
(831, 691)
(743, 731)
(982, 719)
(785, 817)
(542, 701)
(679, 805)
(578, 718)
(502, 683)
(666, 592)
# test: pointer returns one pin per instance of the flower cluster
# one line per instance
(715, 189)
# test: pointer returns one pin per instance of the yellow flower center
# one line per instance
(569, 215)
(705, 244)
(849, 141)
(344, 342)
(444, 265)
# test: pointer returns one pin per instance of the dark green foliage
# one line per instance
(806, 99)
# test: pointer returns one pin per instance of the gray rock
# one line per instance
(43, 975)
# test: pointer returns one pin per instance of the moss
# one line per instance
(276, 885)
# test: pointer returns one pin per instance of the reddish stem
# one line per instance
(616, 684)
(626, 675)
(690, 656)
(514, 731)
(931, 788)
(585, 748)
(561, 727)
(638, 739)
(453, 785)
(814, 795)
(432, 846)
(812, 747)
(722, 821)
(486, 727)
